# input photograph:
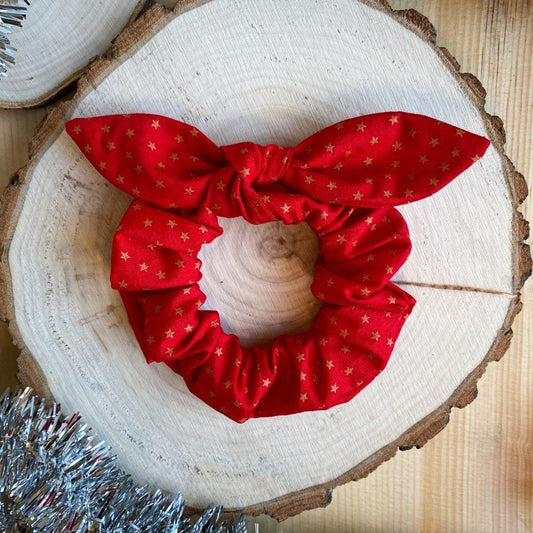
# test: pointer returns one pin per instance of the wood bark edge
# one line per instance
(134, 36)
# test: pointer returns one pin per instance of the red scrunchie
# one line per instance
(342, 181)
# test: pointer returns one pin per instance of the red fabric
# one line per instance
(343, 181)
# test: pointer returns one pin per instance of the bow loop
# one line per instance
(256, 164)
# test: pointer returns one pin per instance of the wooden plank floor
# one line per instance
(477, 475)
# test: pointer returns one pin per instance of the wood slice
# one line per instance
(56, 43)
(268, 72)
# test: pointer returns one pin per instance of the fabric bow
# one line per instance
(343, 181)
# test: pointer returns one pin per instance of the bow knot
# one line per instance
(256, 164)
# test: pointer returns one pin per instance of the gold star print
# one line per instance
(361, 126)
(408, 192)
(265, 198)
(110, 146)
(124, 255)
(169, 333)
(218, 351)
(155, 124)
(285, 208)
(120, 179)
(395, 164)
(368, 161)
(303, 376)
(370, 257)
(332, 185)
(128, 155)
(334, 388)
(178, 138)
(300, 357)
(338, 166)
(389, 270)
(194, 132)
(184, 236)
(174, 156)
(161, 275)
(102, 165)
(227, 384)
(376, 336)
(357, 196)
(143, 267)
(187, 290)
(178, 311)
(138, 169)
(324, 215)
(423, 159)
(459, 132)
(434, 142)
(172, 223)
(169, 351)
(266, 382)
(147, 223)
(456, 152)
(323, 342)
(397, 146)
(150, 340)
(76, 129)
(387, 194)
(180, 263)
(330, 364)
(341, 239)
(122, 284)
(304, 397)
(221, 186)
(203, 229)
(374, 140)
(105, 128)
(390, 342)
(333, 320)
(339, 126)
(474, 159)
(189, 191)
(245, 171)
(159, 184)
(434, 181)
(214, 324)
(136, 191)
(130, 133)
(329, 148)
(188, 328)
(151, 145)
(365, 291)
(345, 349)
(309, 180)
(344, 333)
(393, 119)
(444, 167)
(87, 148)
(392, 300)
(348, 371)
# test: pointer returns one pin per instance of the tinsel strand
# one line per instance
(55, 476)
(12, 13)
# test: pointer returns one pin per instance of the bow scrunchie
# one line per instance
(343, 181)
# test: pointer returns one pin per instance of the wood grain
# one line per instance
(444, 487)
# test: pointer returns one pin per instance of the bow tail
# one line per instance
(383, 159)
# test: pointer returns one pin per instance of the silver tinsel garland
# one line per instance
(56, 477)
(12, 13)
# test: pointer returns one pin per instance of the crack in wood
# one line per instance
(452, 287)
